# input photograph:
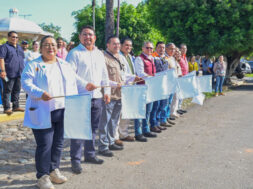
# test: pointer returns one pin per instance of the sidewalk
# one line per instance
(15, 115)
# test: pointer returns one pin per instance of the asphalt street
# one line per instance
(210, 147)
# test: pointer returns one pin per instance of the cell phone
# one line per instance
(6, 79)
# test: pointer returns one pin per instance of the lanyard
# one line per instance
(120, 65)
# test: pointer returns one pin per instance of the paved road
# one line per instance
(211, 147)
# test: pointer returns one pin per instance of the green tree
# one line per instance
(133, 24)
(211, 27)
(52, 29)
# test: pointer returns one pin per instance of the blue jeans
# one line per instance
(145, 126)
(219, 83)
(167, 112)
(154, 114)
(162, 111)
(108, 122)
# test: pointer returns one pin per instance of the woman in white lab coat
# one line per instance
(42, 79)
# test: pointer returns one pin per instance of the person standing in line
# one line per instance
(25, 46)
(219, 69)
(145, 67)
(171, 110)
(35, 51)
(185, 69)
(89, 64)
(11, 67)
(125, 50)
(158, 118)
(193, 65)
(61, 52)
(42, 79)
(116, 67)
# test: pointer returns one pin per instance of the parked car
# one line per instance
(246, 67)
(242, 69)
(251, 65)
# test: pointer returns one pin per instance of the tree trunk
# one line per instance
(118, 19)
(109, 23)
(93, 13)
(232, 62)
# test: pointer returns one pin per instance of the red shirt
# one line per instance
(184, 65)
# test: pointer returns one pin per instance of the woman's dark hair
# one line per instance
(34, 42)
(43, 39)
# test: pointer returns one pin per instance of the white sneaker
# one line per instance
(45, 183)
(57, 177)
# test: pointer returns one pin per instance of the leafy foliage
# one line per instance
(51, 28)
(133, 24)
(208, 27)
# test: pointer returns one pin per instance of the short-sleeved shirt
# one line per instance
(13, 58)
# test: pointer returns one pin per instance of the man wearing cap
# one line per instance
(25, 46)
(11, 67)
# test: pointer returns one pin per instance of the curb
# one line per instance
(12, 117)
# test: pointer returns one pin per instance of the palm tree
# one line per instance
(109, 22)
(118, 19)
(93, 13)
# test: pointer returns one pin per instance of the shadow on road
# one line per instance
(247, 86)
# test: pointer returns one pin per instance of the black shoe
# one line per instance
(94, 160)
(162, 128)
(172, 118)
(171, 122)
(165, 124)
(141, 138)
(179, 112)
(155, 130)
(115, 147)
(151, 135)
(106, 153)
(184, 111)
(76, 167)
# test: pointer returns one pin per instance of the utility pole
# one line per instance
(109, 22)
(118, 18)
(94, 14)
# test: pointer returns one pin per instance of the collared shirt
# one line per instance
(62, 53)
(13, 59)
(117, 73)
(161, 63)
(139, 66)
(90, 66)
(205, 64)
(130, 63)
(184, 65)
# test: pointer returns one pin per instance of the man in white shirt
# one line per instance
(89, 63)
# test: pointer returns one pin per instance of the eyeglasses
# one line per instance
(87, 34)
(14, 37)
(149, 48)
(47, 45)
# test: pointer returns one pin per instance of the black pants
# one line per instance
(11, 89)
(49, 144)
(89, 145)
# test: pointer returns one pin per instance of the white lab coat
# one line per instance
(34, 82)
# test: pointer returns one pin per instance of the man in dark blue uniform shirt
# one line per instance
(11, 67)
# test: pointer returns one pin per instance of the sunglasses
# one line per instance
(151, 48)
